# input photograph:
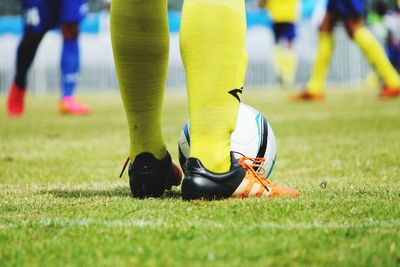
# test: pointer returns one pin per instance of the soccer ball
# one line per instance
(252, 138)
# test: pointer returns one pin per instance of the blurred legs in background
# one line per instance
(25, 55)
(350, 12)
(284, 16)
(39, 17)
(70, 60)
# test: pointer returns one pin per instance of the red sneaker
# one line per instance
(70, 106)
(307, 96)
(389, 92)
(15, 101)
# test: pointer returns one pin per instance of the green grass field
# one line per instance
(62, 203)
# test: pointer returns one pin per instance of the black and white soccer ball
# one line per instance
(252, 138)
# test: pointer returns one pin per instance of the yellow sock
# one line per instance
(140, 38)
(288, 65)
(376, 57)
(278, 61)
(320, 69)
(213, 52)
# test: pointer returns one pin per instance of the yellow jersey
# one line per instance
(283, 10)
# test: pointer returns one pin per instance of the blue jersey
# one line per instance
(346, 8)
(43, 15)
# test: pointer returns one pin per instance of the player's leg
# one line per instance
(35, 14)
(375, 55)
(69, 58)
(140, 39)
(285, 55)
(279, 55)
(70, 14)
(213, 52)
(25, 54)
(315, 89)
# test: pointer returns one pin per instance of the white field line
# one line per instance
(84, 223)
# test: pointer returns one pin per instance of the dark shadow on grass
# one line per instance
(173, 194)
(123, 192)
(88, 193)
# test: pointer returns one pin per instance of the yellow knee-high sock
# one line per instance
(213, 52)
(291, 66)
(279, 61)
(140, 39)
(316, 84)
(287, 64)
(376, 57)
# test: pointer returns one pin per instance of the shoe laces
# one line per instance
(124, 166)
(251, 169)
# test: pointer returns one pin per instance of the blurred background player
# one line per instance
(39, 17)
(215, 60)
(284, 14)
(351, 12)
(384, 22)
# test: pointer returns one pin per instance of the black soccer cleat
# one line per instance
(241, 181)
(200, 183)
(150, 177)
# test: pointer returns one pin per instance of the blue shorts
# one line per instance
(346, 8)
(43, 15)
(284, 31)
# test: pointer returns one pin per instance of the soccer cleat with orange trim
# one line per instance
(150, 177)
(15, 101)
(241, 181)
(307, 96)
(70, 106)
(389, 92)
